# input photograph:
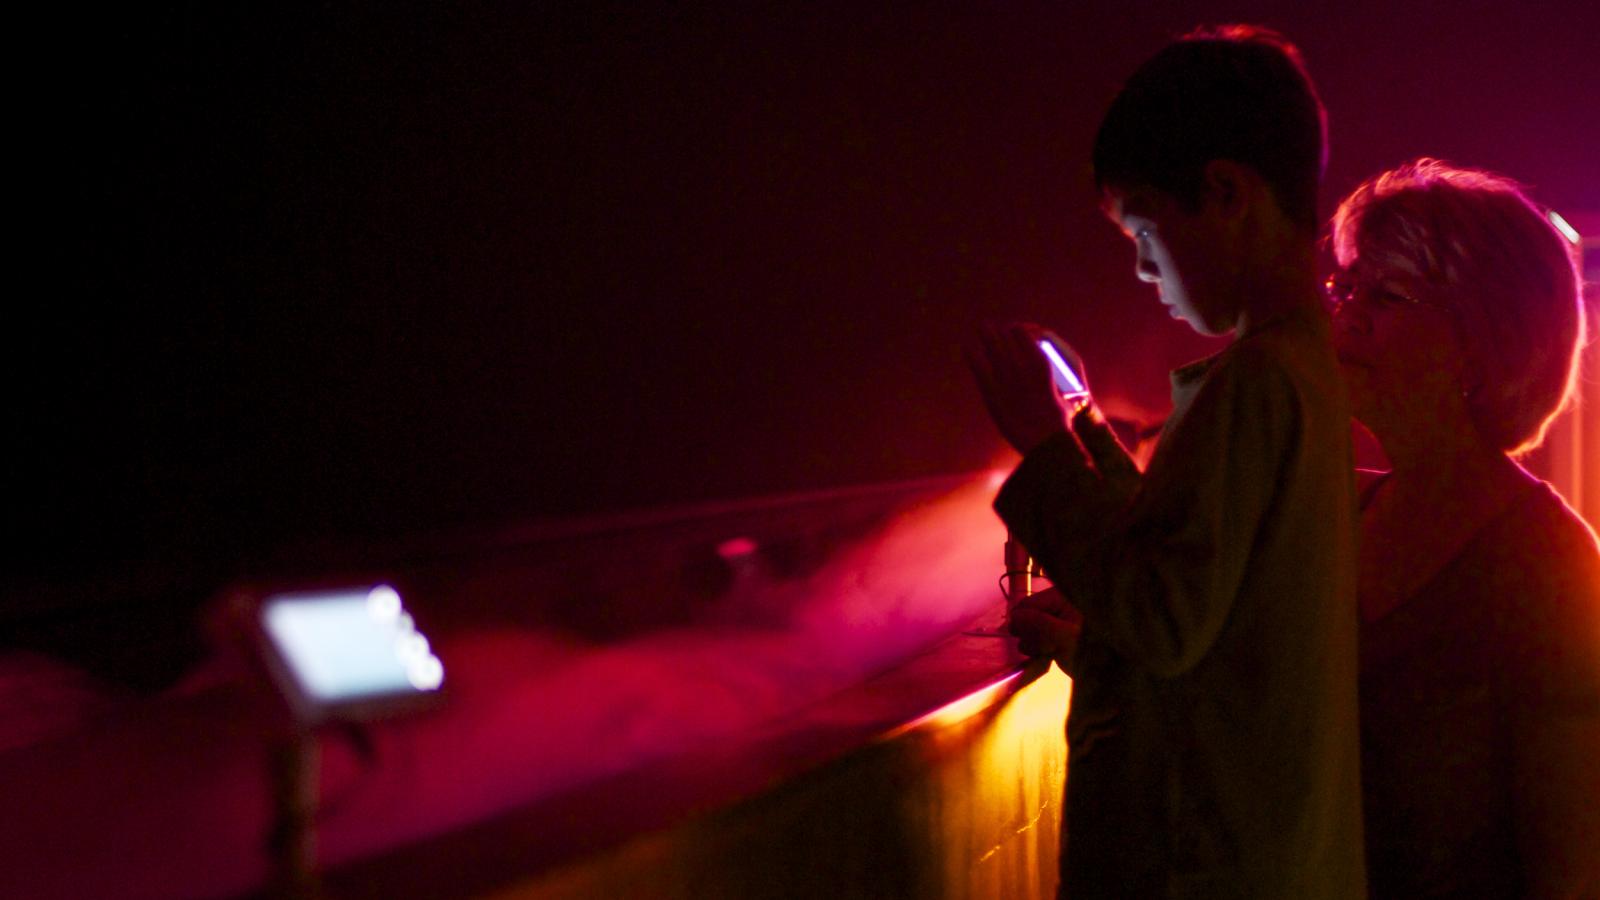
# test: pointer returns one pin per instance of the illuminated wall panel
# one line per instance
(1570, 457)
(1588, 429)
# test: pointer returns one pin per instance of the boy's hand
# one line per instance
(1014, 378)
(1067, 350)
(1046, 625)
(1111, 459)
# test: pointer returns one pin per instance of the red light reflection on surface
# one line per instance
(537, 713)
(737, 548)
(532, 712)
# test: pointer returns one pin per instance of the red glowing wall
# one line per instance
(347, 273)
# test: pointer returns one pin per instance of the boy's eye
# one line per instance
(1142, 234)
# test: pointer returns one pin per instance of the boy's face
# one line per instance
(1181, 253)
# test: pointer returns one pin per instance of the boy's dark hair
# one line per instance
(1235, 92)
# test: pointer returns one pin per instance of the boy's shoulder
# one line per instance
(1298, 348)
(1285, 369)
(1254, 358)
(1301, 335)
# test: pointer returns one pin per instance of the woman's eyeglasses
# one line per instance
(1341, 289)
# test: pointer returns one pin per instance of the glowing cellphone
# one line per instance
(347, 653)
(1065, 377)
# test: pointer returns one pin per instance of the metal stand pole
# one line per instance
(291, 841)
(1020, 569)
(1019, 573)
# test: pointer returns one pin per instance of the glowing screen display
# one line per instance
(1067, 381)
(343, 645)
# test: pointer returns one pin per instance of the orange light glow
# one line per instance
(1045, 697)
(958, 711)
(999, 774)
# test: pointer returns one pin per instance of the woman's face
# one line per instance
(1396, 342)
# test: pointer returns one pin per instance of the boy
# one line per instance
(1212, 733)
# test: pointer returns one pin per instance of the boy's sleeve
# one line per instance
(1156, 573)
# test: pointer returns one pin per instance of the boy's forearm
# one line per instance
(1058, 506)
(1053, 499)
(1153, 565)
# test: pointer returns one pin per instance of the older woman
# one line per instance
(1458, 321)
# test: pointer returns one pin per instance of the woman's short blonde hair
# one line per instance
(1507, 275)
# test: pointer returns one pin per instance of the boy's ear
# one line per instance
(1228, 187)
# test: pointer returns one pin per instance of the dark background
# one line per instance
(346, 273)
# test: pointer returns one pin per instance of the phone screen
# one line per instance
(1066, 379)
(348, 646)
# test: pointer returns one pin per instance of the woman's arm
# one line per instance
(1556, 785)
(1555, 712)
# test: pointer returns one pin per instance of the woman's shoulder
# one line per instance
(1540, 527)
(1539, 552)
(1547, 562)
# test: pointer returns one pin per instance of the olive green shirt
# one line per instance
(1213, 749)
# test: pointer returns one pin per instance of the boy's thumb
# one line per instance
(1114, 463)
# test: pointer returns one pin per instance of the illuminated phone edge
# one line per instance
(1062, 366)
